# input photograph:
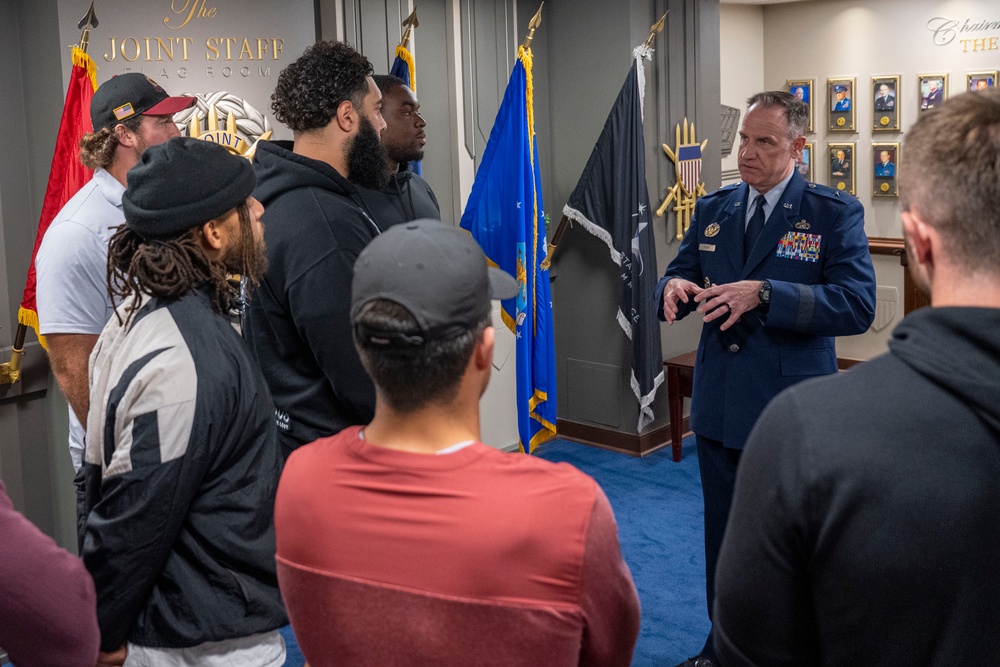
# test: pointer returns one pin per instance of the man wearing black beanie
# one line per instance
(182, 461)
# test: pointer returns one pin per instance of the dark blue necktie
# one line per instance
(754, 227)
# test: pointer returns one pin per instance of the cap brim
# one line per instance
(502, 284)
(170, 106)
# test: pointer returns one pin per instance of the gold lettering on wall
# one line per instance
(162, 49)
(984, 44)
(190, 9)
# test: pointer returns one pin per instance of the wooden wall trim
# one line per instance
(880, 245)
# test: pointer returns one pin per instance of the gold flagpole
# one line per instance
(410, 22)
(536, 21)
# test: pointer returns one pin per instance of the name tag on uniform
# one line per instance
(800, 246)
(707, 247)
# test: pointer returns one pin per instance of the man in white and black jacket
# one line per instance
(182, 460)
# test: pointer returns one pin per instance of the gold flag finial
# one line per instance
(86, 23)
(655, 29)
(536, 21)
(410, 22)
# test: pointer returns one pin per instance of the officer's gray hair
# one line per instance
(796, 111)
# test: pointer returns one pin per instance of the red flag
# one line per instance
(67, 174)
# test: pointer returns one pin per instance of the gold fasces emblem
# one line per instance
(689, 186)
(802, 224)
(712, 230)
(841, 121)
(841, 185)
(883, 121)
(884, 187)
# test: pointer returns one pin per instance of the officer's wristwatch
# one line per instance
(764, 295)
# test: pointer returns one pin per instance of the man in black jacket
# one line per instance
(182, 461)
(298, 322)
(407, 196)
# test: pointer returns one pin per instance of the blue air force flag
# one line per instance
(611, 201)
(506, 216)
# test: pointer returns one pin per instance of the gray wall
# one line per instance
(34, 462)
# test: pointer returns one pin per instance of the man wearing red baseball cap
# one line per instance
(130, 112)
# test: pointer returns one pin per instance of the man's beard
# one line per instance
(139, 147)
(367, 162)
(247, 257)
(402, 155)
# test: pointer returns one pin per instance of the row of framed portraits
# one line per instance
(933, 89)
(843, 168)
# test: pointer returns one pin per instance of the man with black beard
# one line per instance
(406, 196)
(298, 322)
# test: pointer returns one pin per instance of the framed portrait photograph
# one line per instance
(803, 89)
(842, 166)
(980, 80)
(933, 90)
(885, 110)
(805, 161)
(885, 157)
(841, 96)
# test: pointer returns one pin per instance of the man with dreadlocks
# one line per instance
(129, 112)
(182, 460)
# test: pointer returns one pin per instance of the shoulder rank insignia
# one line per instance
(712, 230)
(802, 224)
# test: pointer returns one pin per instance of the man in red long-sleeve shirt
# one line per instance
(48, 609)
(408, 541)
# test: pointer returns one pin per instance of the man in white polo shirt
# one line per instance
(130, 113)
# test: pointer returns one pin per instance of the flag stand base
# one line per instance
(616, 441)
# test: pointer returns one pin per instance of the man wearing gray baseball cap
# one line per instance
(409, 541)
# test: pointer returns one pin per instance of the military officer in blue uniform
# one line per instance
(843, 101)
(777, 267)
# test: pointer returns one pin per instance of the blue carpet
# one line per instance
(658, 507)
(660, 526)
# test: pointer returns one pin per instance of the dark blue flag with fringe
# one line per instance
(611, 201)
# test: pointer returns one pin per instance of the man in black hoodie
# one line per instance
(864, 527)
(407, 196)
(298, 322)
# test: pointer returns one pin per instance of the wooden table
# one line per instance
(680, 381)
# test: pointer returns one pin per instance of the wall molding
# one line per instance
(882, 245)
